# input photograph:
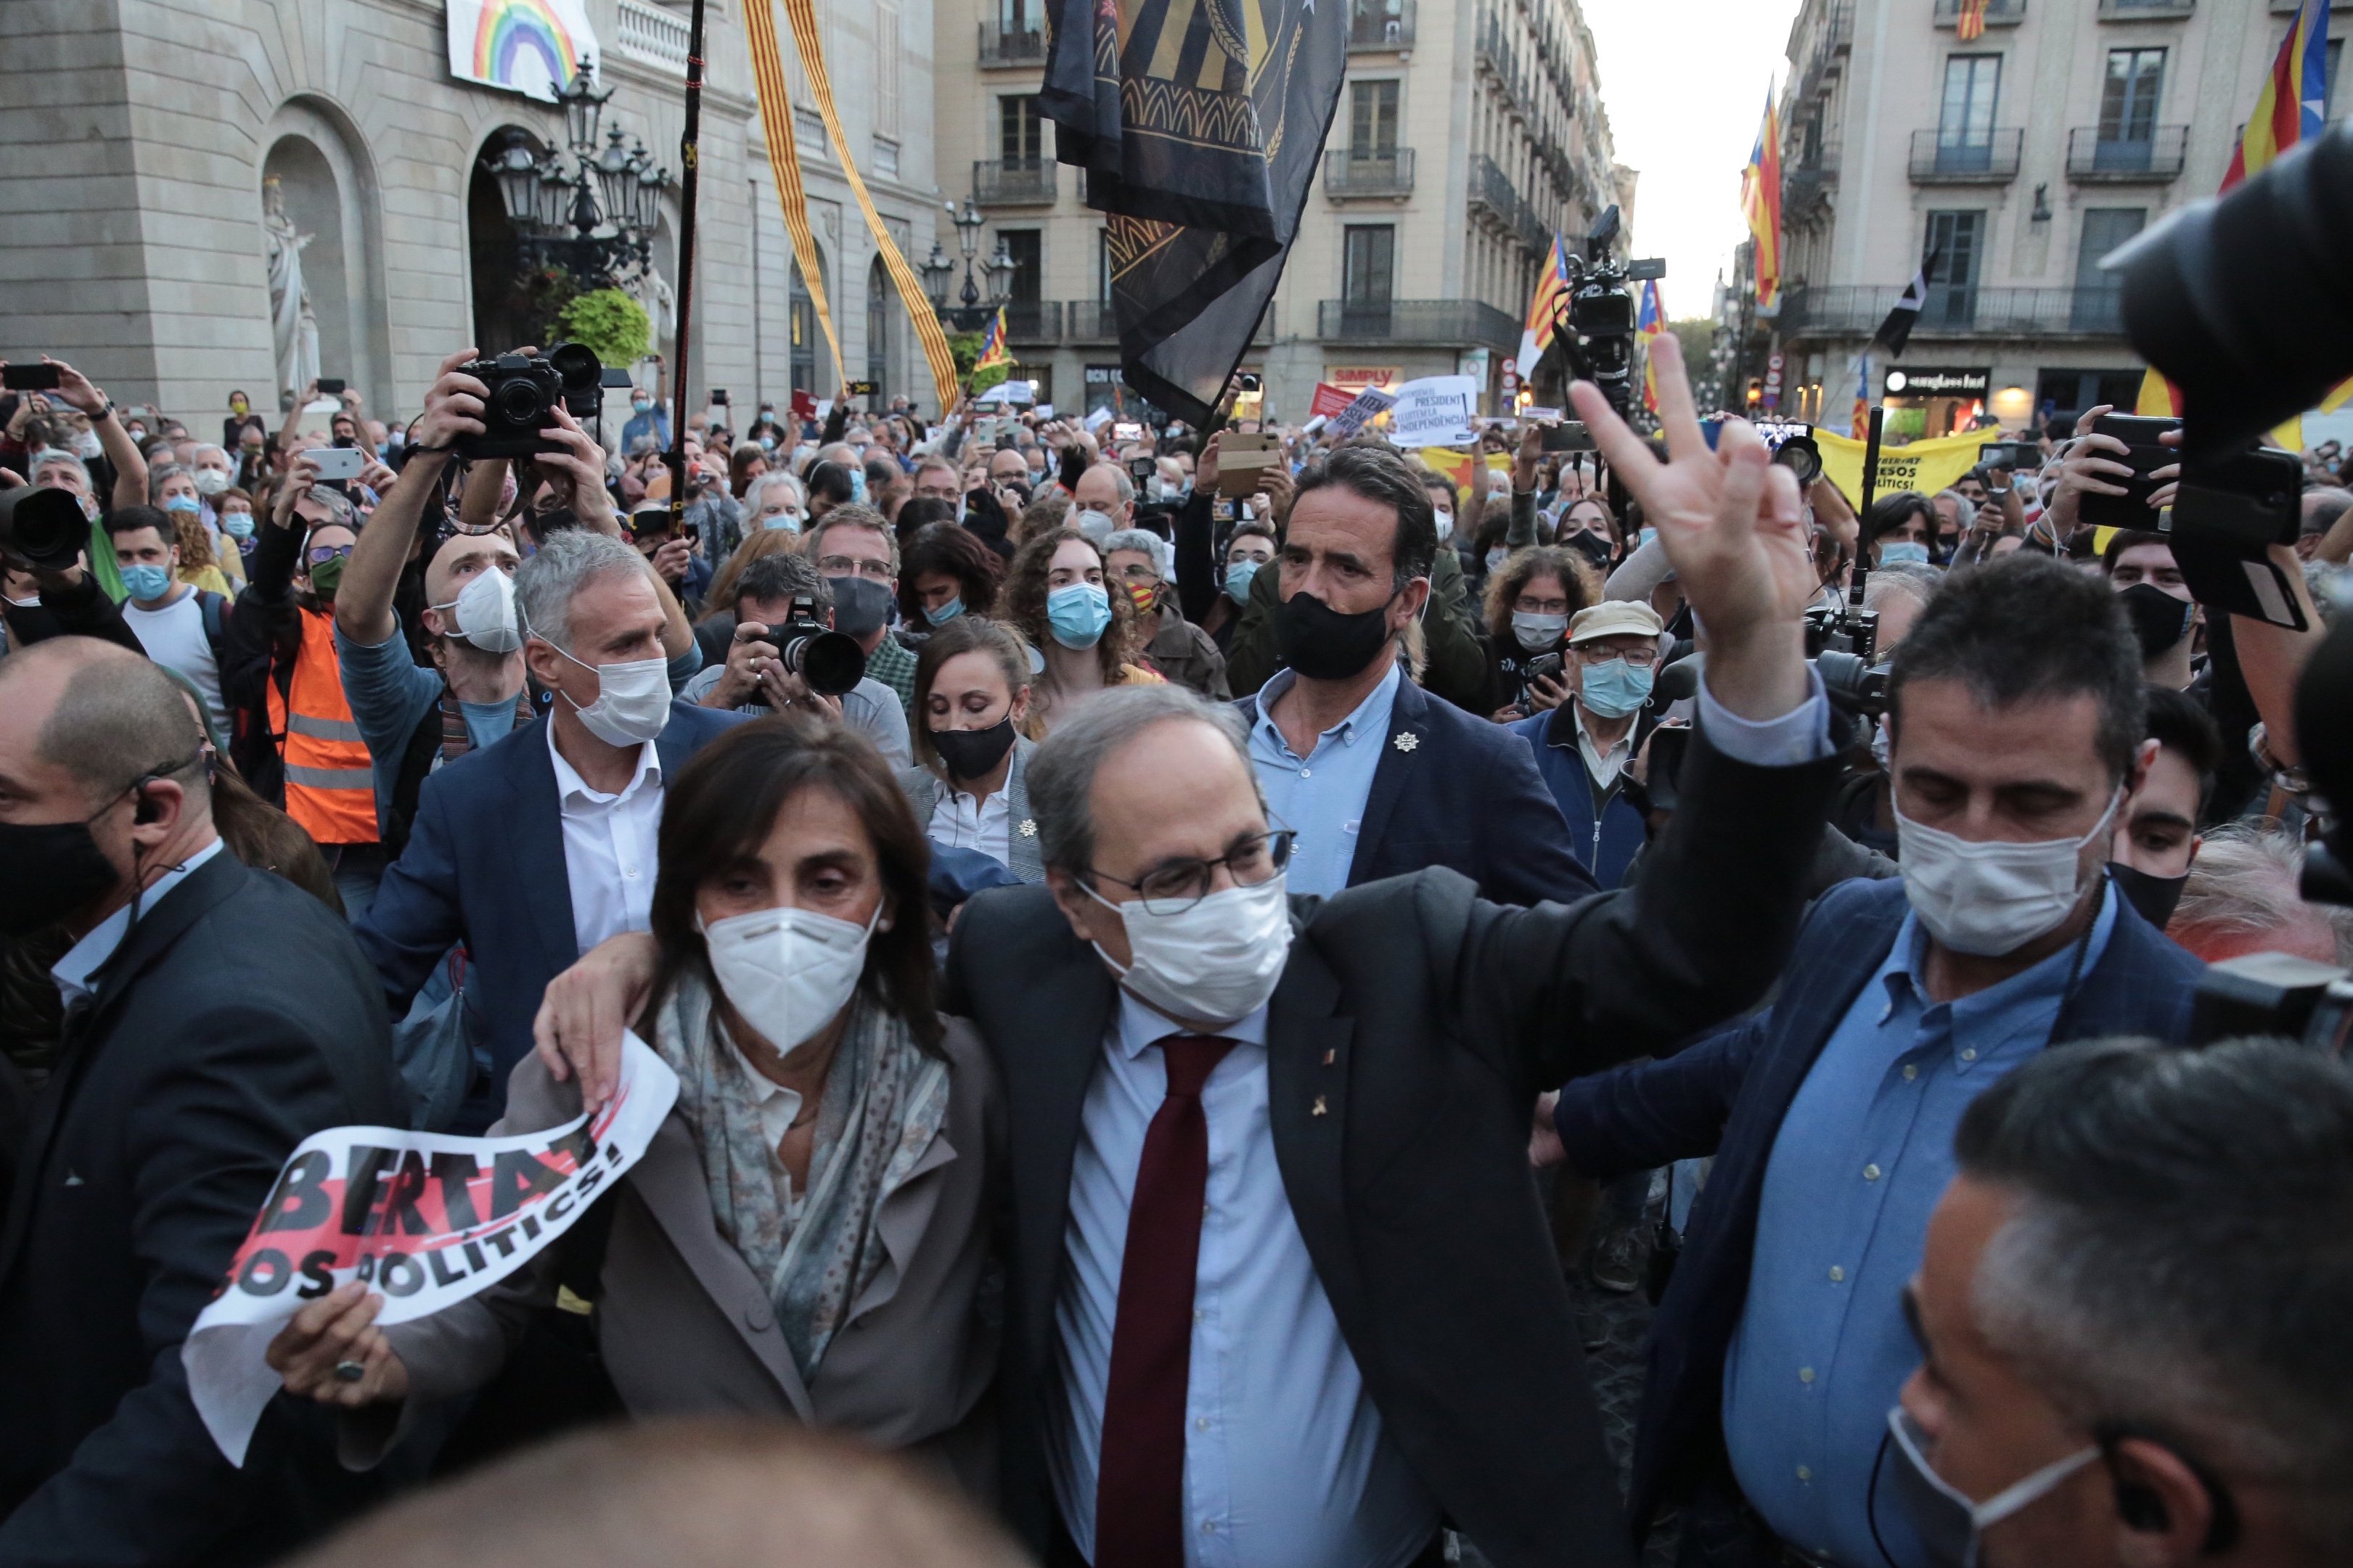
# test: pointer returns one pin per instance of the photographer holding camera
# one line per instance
(776, 662)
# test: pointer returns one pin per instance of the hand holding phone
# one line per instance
(336, 464)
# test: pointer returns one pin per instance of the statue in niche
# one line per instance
(293, 327)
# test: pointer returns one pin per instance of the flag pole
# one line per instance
(690, 158)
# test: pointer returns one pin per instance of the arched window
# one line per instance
(878, 356)
(802, 314)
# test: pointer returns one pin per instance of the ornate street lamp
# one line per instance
(973, 310)
(582, 106)
(614, 176)
(939, 276)
(594, 213)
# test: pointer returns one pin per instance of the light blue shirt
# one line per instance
(1286, 1463)
(73, 973)
(1865, 1150)
(1321, 796)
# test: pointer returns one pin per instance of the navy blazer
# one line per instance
(1726, 1095)
(484, 866)
(1457, 791)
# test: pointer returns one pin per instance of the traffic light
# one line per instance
(1755, 390)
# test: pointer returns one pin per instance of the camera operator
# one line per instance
(756, 679)
(671, 555)
(2130, 1314)
(2016, 708)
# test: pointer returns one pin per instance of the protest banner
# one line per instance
(1328, 400)
(1368, 405)
(426, 1218)
(1434, 412)
(1924, 466)
(1456, 466)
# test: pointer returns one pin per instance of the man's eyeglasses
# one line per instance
(320, 555)
(1176, 885)
(1640, 657)
(843, 566)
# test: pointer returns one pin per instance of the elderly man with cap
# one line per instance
(1583, 746)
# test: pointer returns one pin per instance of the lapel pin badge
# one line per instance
(1329, 1056)
(1406, 741)
(1029, 827)
(1319, 1108)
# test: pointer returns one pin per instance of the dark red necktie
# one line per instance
(1140, 1480)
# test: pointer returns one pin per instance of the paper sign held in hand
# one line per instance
(426, 1218)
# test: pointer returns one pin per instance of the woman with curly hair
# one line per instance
(1055, 597)
(946, 572)
(1531, 599)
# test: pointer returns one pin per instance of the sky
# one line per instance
(1684, 82)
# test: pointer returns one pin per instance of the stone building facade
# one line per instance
(141, 134)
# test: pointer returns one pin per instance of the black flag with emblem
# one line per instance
(1896, 331)
(1199, 124)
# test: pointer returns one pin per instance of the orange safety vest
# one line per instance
(330, 778)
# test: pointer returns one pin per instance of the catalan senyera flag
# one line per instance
(1860, 423)
(993, 351)
(2287, 110)
(1970, 23)
(1650, 326)
(1551, 286)
(1760, 199)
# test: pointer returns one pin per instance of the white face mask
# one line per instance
(787, 971)
(1096, 525)
(632, 702)
(1212, 964)
(1537, 632)
(85, 445)
(1993, 898)
(1445, 526)
(484, 611)
(211, 481)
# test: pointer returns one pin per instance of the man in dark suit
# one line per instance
(535, 848)
(2016, 709)
(1376, 777)
(1279, 1292)
(216, 1017)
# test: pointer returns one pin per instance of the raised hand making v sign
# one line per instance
(1731, 523)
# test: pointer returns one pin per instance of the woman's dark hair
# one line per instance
(966, 633)
(918, 512)
(1505, 583)
(831, 480)
(739, 468)
(718, 813)
(957, 552)
(1022, 601)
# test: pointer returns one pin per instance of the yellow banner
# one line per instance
(802, 14)
(785, 160)
(1924, 466)
(1456, 466)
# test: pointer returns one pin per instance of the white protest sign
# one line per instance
(1368, 405)
(426, 1218)
(1434, 412)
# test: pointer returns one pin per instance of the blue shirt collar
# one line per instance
(1370, 718)
(2021, 994)
(1140, 1025)
(73, 973)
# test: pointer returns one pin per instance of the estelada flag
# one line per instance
(1760, 200)
(1650, 325)
(1543, 309)
(993, 351)
(1201, 124)
(2287, 111)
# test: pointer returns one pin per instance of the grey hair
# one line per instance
(566, 561)
(781, 575)
(163, 474)
(2178, 1262)
(1141, 539)
(1061, 776)
(850, 514)
(220, 452)
(58, 454)
(1908, 579)
(2243, 883)
(772, 480)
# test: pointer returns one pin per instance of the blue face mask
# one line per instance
(1903, 550)
(146, 582)
(857, 486)
(1616, 688)
(941, 614)
(237, 525)
(1649, 534)
(181, 503)
(767, 443)
(641, 404)
(1238, 579)
(1078, 615)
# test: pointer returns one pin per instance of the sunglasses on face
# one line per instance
(320, 555)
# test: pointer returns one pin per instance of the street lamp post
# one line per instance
(974, 309)
(593, 214)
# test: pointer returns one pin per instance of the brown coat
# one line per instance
(685, 1328)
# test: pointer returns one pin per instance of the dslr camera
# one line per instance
(1842, 641)
(829, 662)
(43, 528)
(1595, 320)
(525, 391)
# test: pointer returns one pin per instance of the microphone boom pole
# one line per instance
(691, 160)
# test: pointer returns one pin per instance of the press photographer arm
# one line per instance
(452, 411)
(121, 451)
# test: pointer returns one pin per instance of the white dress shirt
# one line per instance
(963, 821)
(608, 847)
(779, 1108)
(73, 972)
(1286, 1463)
(1603, 767)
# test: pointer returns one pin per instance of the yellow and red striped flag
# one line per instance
(1760, 200)
(1551, 286)
(1971, 22)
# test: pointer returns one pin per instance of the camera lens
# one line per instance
(518, 402)
(1801, 458)
(44, 527)
(830, 663)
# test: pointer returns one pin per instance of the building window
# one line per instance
(2128, 98)
(1372, 118)
(2098, 305)
(1022, 137)
(1025, 245)
(1369, 261)
(1965, 123)
(1020, 16)
(886, 74)
(1958, 238)
(2328, 99)
(802, 317)
(1102, 264)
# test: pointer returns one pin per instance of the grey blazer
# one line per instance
(684, 1328)
(923, 786)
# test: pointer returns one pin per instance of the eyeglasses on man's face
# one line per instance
(846, 566)
(1175, 885)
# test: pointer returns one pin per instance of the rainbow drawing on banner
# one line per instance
(525, 46)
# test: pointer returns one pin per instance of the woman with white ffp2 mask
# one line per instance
(821, 1193)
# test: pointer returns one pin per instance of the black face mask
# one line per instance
(1594, 547)
(1323, 643)
(969, 753)
(861, 607)
(2158, 619)
(51, 869)
(2154, 897)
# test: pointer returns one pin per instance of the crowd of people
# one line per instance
(1167, 989)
